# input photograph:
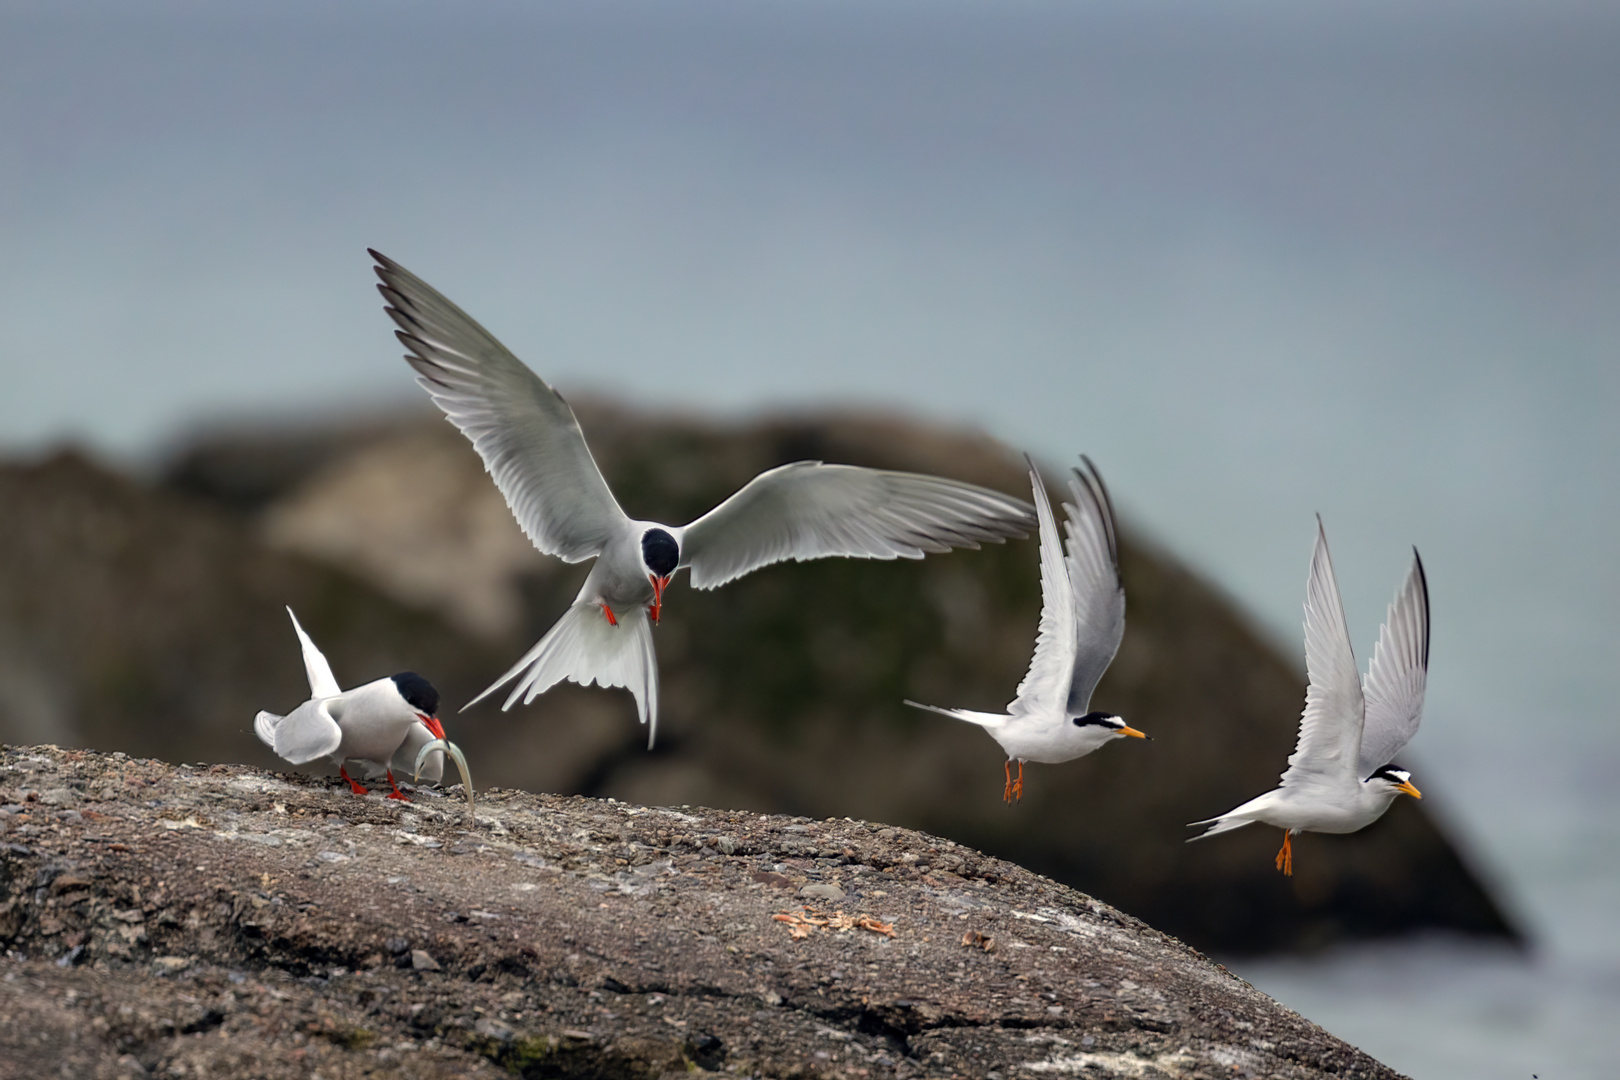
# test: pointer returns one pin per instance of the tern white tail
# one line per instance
(584, 647)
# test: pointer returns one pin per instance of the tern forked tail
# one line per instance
(585, 648)
(983, 719)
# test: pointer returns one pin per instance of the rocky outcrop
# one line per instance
(150, 621)
(190, 921)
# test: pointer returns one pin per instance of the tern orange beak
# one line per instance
(1132, 732)
(658, 584)
(433, 725)
(1410, 789)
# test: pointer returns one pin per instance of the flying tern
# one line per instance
(383, 723)
(533, 448)
(1082, 622)
(1339, 777)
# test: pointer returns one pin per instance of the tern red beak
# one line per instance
(433, 725)
(658, 584)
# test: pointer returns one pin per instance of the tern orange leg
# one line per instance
(354, 785)
(1018, 784)
(1006, 792)
(1285, 857)
(609, 613)
(398, 794)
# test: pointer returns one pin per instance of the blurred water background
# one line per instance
(1259, 261)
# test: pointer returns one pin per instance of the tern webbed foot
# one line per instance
(354, 785)
(1285, 857)
(1015, 788)
(397, 794)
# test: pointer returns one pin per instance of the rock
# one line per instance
(421, 961)
(822, 891)
(593, 969)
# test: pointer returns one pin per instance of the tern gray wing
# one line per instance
(322, 683)
(1398, 675)
(808, 510)
(1330, 728)
(1099, 595)
(1045, 686)
(522, 428)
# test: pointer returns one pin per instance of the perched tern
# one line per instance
(384, 723)
(1339, 777)
(1082, 621)
(533, 448)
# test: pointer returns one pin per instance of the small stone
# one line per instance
(727, 845)
(774, 880)
(822, 891)
(168, 965)
(396, 945)
(490, 1027)
(421, 961)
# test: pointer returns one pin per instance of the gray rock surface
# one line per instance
(188, 921)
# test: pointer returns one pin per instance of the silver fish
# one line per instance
(455, 755)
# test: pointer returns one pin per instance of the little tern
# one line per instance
(383, 722)
(1082, 622)
(1339, 777)
(534, 450)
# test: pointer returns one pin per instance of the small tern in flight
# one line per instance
(1082, 622)
(1339, 777)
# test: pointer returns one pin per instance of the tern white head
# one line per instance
(1082, 622)
(382, 723)
(533, 448)
(1339, 777)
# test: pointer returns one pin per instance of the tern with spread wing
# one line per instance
(1082, 622)
(1339, 777)
(533, 448)
(383, 723)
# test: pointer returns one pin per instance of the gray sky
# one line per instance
(1259, 262)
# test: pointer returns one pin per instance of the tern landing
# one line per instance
(533, 448)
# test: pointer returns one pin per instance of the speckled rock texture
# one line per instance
(164, 920)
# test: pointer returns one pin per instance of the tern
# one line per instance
(383, 723)
(533, 448)
(1082, 622)
(1340, 777)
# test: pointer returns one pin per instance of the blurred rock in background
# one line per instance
(149, 619)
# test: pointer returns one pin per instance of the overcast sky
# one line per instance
(1258, 260)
